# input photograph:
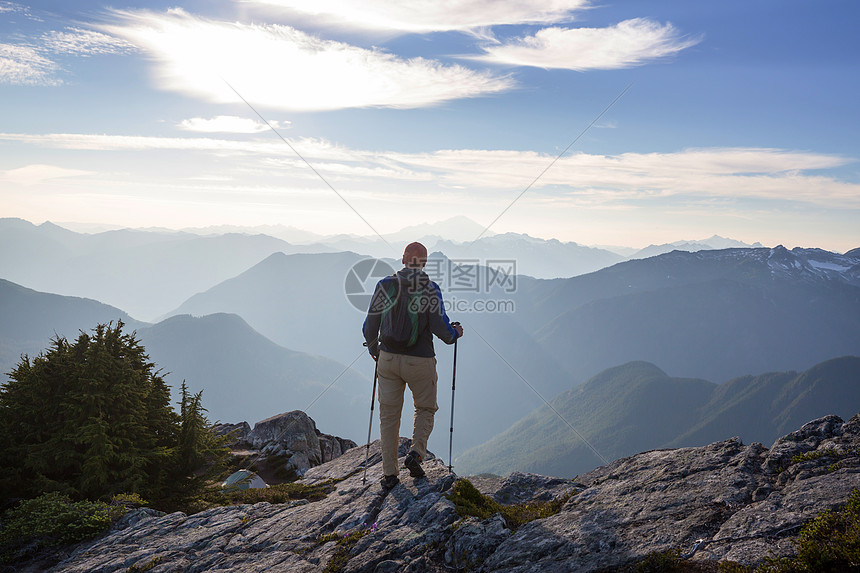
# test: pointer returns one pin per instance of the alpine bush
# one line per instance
(53, 519)
(92, 418)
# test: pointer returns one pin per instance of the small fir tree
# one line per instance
(92, 419)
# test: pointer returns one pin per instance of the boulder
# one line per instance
(289, 444)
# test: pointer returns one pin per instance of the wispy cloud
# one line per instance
(15, 8)
(36, 174)
(25, 66)
(81, 42)
(229, 124)
(628, 43)
(101, 142)
(721, 172)
(33, 63)
(283, 68)
(771, 174)
(431, 16)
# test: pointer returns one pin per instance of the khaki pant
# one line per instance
(395, 372)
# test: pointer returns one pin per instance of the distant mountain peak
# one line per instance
(715, 242)
(458, 228)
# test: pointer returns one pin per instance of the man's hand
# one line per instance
(372, 350)
(458, 328)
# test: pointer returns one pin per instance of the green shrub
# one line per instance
(828, 543)
(470, 502)
(53, 519)
(214, 496)
(816, 454)
(129, 500)
(344, 545)
(92, 418)
(733, 567)
(661, 562)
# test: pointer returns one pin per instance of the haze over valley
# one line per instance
(263, 325)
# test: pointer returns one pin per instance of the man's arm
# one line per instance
(370, 328)
(439, 323)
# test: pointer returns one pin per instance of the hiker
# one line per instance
(400, 338)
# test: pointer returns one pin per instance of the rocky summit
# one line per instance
(723, 501)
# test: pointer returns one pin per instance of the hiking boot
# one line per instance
(389, 482)
(413, 464)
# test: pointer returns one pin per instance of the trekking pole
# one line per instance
(370, 424)
(453, 384)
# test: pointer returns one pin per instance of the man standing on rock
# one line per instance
(404, 314)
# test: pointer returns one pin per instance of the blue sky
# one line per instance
(740, 118)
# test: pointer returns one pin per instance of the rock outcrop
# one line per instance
(724, 501)
(284, 447)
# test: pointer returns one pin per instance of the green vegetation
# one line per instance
(828, 543)
(472, 503)
(814, 455)
(53, 519)
(148, 566)
(344, 545)
(670, 561)
(662, 562)
(129, 500)
(91, 420)
(214, 496)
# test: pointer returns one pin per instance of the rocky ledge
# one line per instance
(283, 447)
(724, 501)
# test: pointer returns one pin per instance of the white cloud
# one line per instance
(25, 66)
(32, 64)
(433, 15)
(15, 8)
(722, 172)
(83, 43)
(628, 43)
(36, 174)
(229, 124)
(771, 174)
(283, 68)
(264, 146)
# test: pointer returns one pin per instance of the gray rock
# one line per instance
(332, 447)
(808, 438)
(135, 516)
(239, 432)
(520, 487)
(473, 541)
(723, 501)
(287, 445)
(293, 430)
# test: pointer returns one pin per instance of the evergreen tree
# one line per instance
(92, 418)
(200, 455)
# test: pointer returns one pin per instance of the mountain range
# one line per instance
(638, 407)
(265, 309)
(243, 375)
(145, 273)
(712, 243)
(711, 314)
(299, 302)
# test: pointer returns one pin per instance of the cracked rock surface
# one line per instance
(728, 500)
